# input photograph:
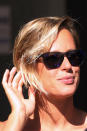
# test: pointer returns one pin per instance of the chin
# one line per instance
(64, 91)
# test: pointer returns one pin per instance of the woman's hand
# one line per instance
(12, 84)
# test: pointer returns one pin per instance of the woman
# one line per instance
(47, 58)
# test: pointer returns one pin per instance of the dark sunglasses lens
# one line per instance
(52, 61)
(76, 58)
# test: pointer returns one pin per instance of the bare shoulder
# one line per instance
(80, 119)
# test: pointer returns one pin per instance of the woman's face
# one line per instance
(62, 81)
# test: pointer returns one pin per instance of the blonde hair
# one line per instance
(36, 38)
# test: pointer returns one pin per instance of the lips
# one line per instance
(67, 79)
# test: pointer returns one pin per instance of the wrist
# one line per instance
(16, 121)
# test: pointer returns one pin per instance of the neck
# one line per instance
(59, 112)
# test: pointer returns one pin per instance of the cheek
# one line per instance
(76, 72)
(39, 68)
(45, 73)
(42, 73)
(46, 76)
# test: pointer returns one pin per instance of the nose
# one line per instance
(66, 65)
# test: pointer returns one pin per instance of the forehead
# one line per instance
(63, 42)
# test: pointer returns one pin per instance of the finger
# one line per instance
(30, 102)
(20, 85)
(5, 78)
(16, 80)
(12, 73)
(6, 87)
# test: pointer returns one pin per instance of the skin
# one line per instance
(61, 114)
(21, 108)
(59, 100)
(54, 86)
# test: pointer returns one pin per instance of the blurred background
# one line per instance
(15, 13)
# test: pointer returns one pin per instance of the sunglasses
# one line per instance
(53, 60)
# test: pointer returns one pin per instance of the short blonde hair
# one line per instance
(36, 38)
